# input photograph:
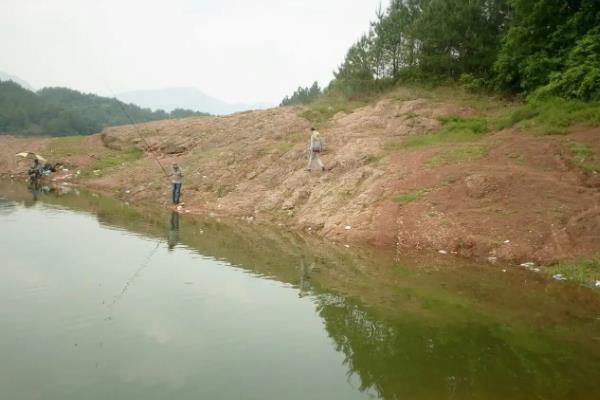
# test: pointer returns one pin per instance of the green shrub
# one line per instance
(581, 77)
(472, 84)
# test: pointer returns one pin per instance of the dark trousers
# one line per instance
(176, 192)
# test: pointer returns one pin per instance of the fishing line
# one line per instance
(144, 264)
(139, 134)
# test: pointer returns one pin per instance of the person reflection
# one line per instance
(305, 270)
(173, 237)
(35, 189)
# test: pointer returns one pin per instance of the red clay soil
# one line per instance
(520, 198)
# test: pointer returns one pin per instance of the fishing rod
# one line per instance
(137, 131)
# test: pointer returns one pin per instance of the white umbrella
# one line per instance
(31, 156)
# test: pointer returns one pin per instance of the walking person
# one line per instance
(314, 149)
(176, 177)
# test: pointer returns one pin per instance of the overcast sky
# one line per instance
(237, 50)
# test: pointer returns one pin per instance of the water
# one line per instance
(98, 301)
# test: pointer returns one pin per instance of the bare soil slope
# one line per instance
(509, 195)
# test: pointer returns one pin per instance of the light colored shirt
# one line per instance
(176, 176)
(315, 141)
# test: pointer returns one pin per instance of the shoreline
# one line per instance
(503, 197)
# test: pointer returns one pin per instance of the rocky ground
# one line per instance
(508, 196)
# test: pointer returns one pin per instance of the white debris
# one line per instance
(597, 284)
(347, 246)
(528, 265)
(443, 252)
(559, 277)
(492, 259)
(503, 270)
(128, 191)
(507, 241)
(347, 227)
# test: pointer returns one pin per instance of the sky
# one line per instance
(239, 51)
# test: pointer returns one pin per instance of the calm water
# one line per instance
(100, 301)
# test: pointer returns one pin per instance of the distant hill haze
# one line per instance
(184, 97)
(8, 77)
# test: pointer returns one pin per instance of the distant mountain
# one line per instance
(8, 77)
(184, 97)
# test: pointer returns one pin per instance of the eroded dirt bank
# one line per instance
(509, 195)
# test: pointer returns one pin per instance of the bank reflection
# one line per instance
(421, 331)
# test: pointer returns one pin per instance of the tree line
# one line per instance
(529, 47)
(303, 95)
(64, 112)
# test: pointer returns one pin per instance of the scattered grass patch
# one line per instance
(325, 108)
(454, 130)
(112, 159)
(66, 146)
(584, 271)
(411, 196)
(287, 142)
(550, 116)
(459, 154)
(585, 157)
(518, 157)
(484, 103)
(224, 190)
(374, 158)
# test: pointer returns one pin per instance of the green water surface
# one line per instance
(99, 300)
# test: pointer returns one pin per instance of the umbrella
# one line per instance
(31, 156)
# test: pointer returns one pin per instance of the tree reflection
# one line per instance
(411, 358)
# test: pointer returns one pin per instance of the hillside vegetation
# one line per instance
(63, 112)
(535, 48)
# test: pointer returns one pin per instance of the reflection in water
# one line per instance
(413, 333)
(305, 270)
(6, 206)
(412, 358)
(173, 237)
(36, 189)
